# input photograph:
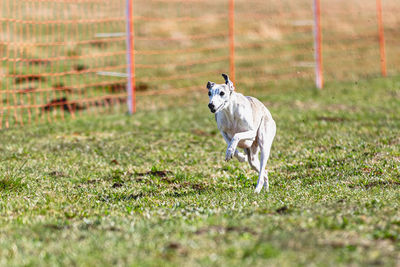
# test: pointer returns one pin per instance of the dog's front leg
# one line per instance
(240, 156)
(248, 135)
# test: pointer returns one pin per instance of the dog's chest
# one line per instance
(231, 124)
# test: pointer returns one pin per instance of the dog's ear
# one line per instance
(210, 85)
(226, 77)
(228, 82)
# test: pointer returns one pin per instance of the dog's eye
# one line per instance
(209, 93)
(221, 94)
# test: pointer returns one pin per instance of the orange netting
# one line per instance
(62, 58)
(52, 55)
(275, 40)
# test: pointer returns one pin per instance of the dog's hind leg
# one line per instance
(252, 155)
(266, 137)
(240, 156)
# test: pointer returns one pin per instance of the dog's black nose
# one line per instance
(211, 107)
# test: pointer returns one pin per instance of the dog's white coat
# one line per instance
(246, 123)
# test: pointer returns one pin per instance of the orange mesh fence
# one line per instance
(275, 40)
(63, 58)
(52, 54)
(351, 38)
(179, 44)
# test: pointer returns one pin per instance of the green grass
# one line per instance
(154, 189)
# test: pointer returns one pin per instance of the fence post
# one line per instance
(381, 37)
(319, 79)
(130, 55)
(232, 40)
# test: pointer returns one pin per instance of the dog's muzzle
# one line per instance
(211, 107)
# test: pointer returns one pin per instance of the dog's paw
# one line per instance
(258, 189)
(260, 186)
(229, 154)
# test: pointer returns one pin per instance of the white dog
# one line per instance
(243, 122)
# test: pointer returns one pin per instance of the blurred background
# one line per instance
(63, 58)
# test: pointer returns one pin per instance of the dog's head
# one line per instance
(219, 94)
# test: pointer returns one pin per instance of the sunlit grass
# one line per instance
(154, 189)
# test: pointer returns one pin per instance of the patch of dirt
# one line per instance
(58, 102)
(80, 67)
(283, 210)
(140, 179)
(155, 173)
(116, 185)
(56, 226)
(110, 198)
(199, 186)
(58, 85)
(38, 62)
(202, 133)
(108, 101)
(375, 183)
(195, 186)
(57, 174)
(118, 87)
(113, 229)
(29, 78)
(371, 170)
(98, 43)
(63, 104)
(223, 229)
(141, 87)
(173, 245)
(384, 183)
(342, 244)
(27, 90)
(114, 161)
(94, 181)
(61, 87)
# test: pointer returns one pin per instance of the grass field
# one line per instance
(154, 189)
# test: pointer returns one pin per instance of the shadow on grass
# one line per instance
(10, 180)
(174, 190)
(10, 184)
(369, 185)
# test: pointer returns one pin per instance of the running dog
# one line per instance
(243, 122)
